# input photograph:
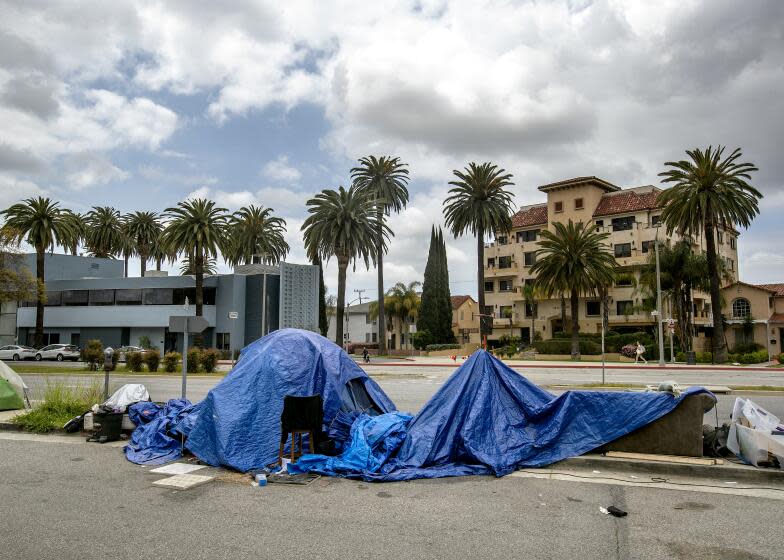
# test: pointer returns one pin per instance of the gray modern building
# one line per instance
(239, 307)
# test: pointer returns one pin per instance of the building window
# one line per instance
(558, 207)
(489, 287)
(529, 258)
(101, 297)
(159, 296)
(491, 262)
(530, 310)
(655, 220)
(374, 337)
(624, 307)
(53, 299)
(461, 315)
(593, 308)
(730, 264)
(505, 286)
(623, 250)
(623, 224)
(599, 224)
(733, 243)
(741, 308)
(505, 262)
(624, 281)
(646, 245)
(367, 337)
(505, 311)
(223, 341)
(528, 235)
(368, 319)
(720, 237)
(502, 240)
(75, 297)
(578, 203)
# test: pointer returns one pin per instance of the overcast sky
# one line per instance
(141, 104)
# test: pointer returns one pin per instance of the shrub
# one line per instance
(781, 358)
(629, 350)
(153, 359)
(435, 347)
(564, 346)
(209, 359)
(144, 342)
(61, 403)
(421, 339)
(93, 354)
(748, 348)
(194, 359)
(704, 357)
(171, 360)
(354, 346)
(134, 361)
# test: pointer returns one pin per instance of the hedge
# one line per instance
(564, 346)
(354, 346)
(434, 347)
(749, 358)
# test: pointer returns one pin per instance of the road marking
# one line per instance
(49, 438)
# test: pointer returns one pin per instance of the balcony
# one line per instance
(495, 271)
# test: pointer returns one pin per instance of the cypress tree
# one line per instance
(435, 310)
(323, 322)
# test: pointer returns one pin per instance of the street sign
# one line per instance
(187, 323)
(233, 315)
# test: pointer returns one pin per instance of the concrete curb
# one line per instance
(586, 365)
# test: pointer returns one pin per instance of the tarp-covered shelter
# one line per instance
(238, 424)
(12, 389)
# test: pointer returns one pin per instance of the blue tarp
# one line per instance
(156, 438)
(488, 419)
(239, 423)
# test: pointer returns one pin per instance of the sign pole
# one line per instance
(184, 358)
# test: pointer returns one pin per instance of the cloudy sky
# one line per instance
(141, 104)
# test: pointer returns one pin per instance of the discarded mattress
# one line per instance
(157, 438)
(239, 422)
(756, 436)
(488, 419)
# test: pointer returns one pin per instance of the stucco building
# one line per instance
(754, 314)
(465, 320)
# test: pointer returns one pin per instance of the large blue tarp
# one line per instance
(238, 425)
(156, 439)
(488, 419)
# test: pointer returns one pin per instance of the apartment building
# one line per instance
(631, 216)
(465, 319)
(754, 314)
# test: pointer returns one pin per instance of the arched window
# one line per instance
(741, 308)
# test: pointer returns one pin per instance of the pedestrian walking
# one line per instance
(640, 353)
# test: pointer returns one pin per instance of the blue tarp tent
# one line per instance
(238, 424)
(488, 419)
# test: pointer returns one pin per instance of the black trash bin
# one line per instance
(106, 427)
(691, 358)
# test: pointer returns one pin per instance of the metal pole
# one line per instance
(672, 349)
(264, 304)
(184, 358)
(659, 300)
(106, 383)
(602, 346)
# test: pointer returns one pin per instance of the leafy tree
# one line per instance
(402, 304)
(41, 223)
(435, 315)
(104, 232)
(573, 259)
(709, 192)
(16, 281)
(323, 318)
(480, 204)
(144, 229)
(384, 179)
(256, 235)
(342, 224)
(196, 229)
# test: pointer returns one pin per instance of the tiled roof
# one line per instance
(577, 181)
(530, 216)
(776, 318)
(627, 201)
(457, 301)
(777, 288)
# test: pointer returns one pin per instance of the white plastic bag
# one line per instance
(750, 435)
(127, 395)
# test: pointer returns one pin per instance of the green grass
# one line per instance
(61, 403)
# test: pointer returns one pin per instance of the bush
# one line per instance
(749, 357)
(209, 359)
(781, 358)
(564, 346)
(171, 360)
(748, 348)
(435, 347)
(93, 354)
(629, 350)
(194, 359)
(421, 339)
(354, 346)
(134, 361)
(61, 403)
(153, 359)
(144, 342)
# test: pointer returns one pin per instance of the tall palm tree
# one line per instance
(342, 224)
(41, 223)
(709, 192)
(384, 179)
(576, 260)
(479, 203)
(257, 235)
(402, 304)
(127, 247)
(77, 231)
(104, 232)
(197, 229)
(144, 229)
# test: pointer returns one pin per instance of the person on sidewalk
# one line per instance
(640, 353)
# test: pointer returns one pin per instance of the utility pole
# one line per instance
(659, 300)
(360, 292)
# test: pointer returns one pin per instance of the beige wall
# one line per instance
(762, 304)
(466, 317)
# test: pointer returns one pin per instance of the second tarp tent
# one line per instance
(13, 390)
(238, 423)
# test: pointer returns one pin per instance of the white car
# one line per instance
(58, 352)
(16, 352)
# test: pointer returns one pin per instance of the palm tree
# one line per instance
(257, 235)
(479, 203)
(77, 231)
(197, 229)
(573, 259)
(402, 304)
(143, 229)
(41, 223)
(530, 295)
(342, 224)
(209, 268)
(709, 192)
(127, 247)
(104, 231)
(384, 179)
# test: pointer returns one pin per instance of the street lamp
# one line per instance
(659, 299)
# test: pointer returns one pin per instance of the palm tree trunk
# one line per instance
(143, 269)
(532, 334)
(73, 248)
(484, 322)
(158, 263)
(125, 260)
(563, 313)
(575, 301)
(39, 304)
(719, 347)
(340, 307)
(382, 325)
(199, 270)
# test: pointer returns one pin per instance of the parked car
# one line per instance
(58, 352)
(16, 352)
(123, 350)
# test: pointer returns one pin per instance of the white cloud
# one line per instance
(91, 169)
(279, 169)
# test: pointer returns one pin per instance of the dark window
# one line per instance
(158, 296)
(101, 297)
(128, 297)
(593, 308)
(559, 206)
(624, 307)
(505, 312)
(502, 240)
(528, 235)
(624, 281)
(223, 341)
(75, 297)
(529, 258)
(622, 224)
(578, 203)
(53, 299)
(646, 245)
(655, 220)
(181, 293)
(530, 310)
(491, 262)
(489, 287)
(505, 262)
(599, 223)
(505, 286)
(733, 243)
(623, 250)
(720, 237)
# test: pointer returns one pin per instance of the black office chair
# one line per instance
(301, 415)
